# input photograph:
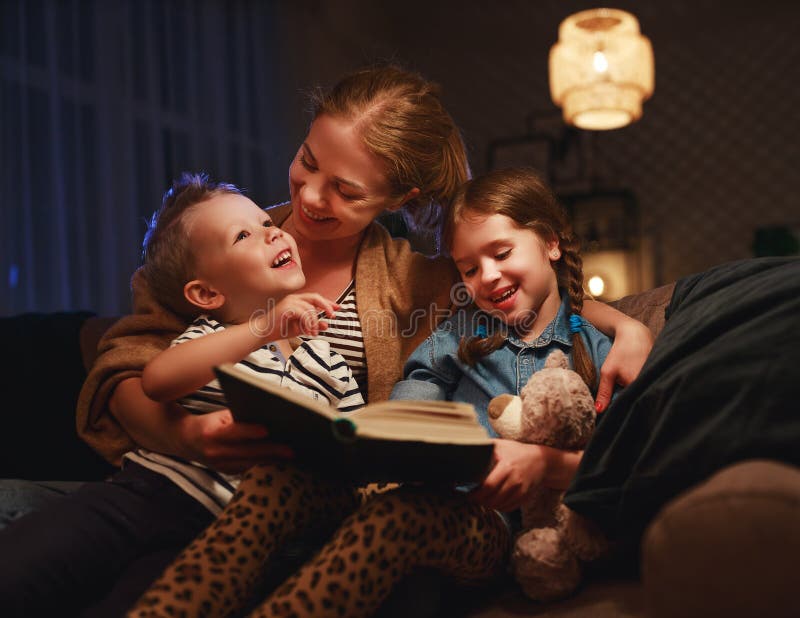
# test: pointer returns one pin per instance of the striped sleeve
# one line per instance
(203, 325)
(315, 365)
(208, 398)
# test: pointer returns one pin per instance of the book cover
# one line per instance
(394, 441)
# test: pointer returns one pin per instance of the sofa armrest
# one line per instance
(727, 547)
(39, 440)
(647, 307)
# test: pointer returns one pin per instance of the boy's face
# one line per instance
(241, 254)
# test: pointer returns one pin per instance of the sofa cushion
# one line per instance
(599, 597)
(727, 547)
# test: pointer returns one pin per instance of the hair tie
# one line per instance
(576, 323)
(480, 331)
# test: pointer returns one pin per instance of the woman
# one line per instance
(380, 140)
(360, 158)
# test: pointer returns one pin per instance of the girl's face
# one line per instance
(337, 186)
(507, 270)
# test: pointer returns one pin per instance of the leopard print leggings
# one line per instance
(383, 534)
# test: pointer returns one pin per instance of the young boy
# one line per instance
(212, 251)
(209, 251)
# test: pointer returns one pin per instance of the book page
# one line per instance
(428, 421)
(424, 421)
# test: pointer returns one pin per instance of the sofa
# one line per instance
(726, 547)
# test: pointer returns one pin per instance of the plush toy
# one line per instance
(555, 408)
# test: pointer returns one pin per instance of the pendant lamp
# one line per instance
(601, 69)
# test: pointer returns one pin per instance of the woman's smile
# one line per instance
(314, 218)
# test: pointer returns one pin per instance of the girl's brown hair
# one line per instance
(167, 258)
(521, 195)
(401, 118)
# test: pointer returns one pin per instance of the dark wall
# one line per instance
(713, 157)
(102, 102)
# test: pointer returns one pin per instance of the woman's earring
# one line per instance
(555, 254)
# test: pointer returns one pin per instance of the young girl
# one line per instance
(521, 266)
(509, 263)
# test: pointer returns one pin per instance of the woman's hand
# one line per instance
(219, 442)
(632, 344)
(213, 439)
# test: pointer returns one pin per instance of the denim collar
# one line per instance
(556, 330)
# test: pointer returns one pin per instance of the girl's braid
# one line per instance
(571, 278)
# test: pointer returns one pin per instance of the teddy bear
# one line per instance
(555, 408)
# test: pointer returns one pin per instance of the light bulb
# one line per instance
(600, 62)
(596, 285)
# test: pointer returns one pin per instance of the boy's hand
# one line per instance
(298, 314)
(231, 447)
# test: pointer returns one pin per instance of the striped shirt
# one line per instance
(345, 336)
(314, 369)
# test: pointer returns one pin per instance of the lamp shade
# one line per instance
(601, 69)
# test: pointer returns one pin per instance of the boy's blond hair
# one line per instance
(168, 262)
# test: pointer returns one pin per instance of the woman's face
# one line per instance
(337, 186)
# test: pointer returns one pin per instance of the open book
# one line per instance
(398, 440)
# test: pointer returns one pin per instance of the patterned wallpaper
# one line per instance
(712, 158)
(108, 100)
(716, 152)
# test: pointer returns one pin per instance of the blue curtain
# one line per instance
(102, 103)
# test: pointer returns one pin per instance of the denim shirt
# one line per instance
(434, 371)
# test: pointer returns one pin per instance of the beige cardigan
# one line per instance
(401, 296)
